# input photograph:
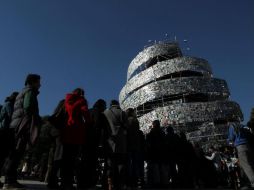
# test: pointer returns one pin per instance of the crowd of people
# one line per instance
(105, 146)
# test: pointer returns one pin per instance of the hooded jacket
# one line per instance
(78, 119)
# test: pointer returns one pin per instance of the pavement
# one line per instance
(37, 185)
(32, 184)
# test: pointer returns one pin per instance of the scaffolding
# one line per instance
(151, 106)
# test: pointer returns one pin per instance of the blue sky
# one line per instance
(90, 44)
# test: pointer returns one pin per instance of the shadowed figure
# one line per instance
(24, 128)
(117, 160)
(156, 159)
(5, 132)
(135, 149)
(185, 162)
(74, 135)
(173, 141)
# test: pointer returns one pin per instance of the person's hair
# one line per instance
(130, 112)
(213, 148)
(156, 123)
(183, 135)
(250, 124)
(100, 104)
(12, 97)
(79, 91)
(114, 103)
(170, 130)
(31, 78)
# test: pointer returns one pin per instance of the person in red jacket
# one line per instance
(74, 133)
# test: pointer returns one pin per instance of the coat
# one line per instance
(5, 115)
(78, 120)
(118, 129)
(25, 118)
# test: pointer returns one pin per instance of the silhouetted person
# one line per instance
(5, 132)
(172, 140)
(95, 148)
(215, 157)
(58, 120)
(185, 162)
(118, 144)
(24, 128)
(135, 149)
(238, 136)
(102, 131)
(73, 135)
(205, 173)
(156, 159)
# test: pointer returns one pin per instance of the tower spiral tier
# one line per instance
(180, 90)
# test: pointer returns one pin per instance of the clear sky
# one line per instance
(90, 43)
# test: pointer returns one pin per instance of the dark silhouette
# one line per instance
(135, 149)
(73, 135)
(156, 159)
(238, 135)
(204, 170)
(118, 145)
(24, 128)
(173, 141)
(95, 148)
(58, 120)
(5, 133)
(185, 162)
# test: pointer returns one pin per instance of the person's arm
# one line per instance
(29, 103)
(86, 113)
(9, 110)
(231, 135)
(211, 157)
(124, 120)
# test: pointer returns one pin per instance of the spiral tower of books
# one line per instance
(180, 91)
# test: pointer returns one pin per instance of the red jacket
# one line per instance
(78, 119)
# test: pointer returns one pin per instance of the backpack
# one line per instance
(59, 117)
(4, 118)
(246, 133)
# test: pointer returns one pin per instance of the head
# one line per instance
(33, 80)
(250, 124)
(183, 135)
(100, 105)
(196, 145)
(114, 103)
(212, 149)
(130, 112)
(156, 124)
(79, 91)
(12, 97)
(170, 130)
